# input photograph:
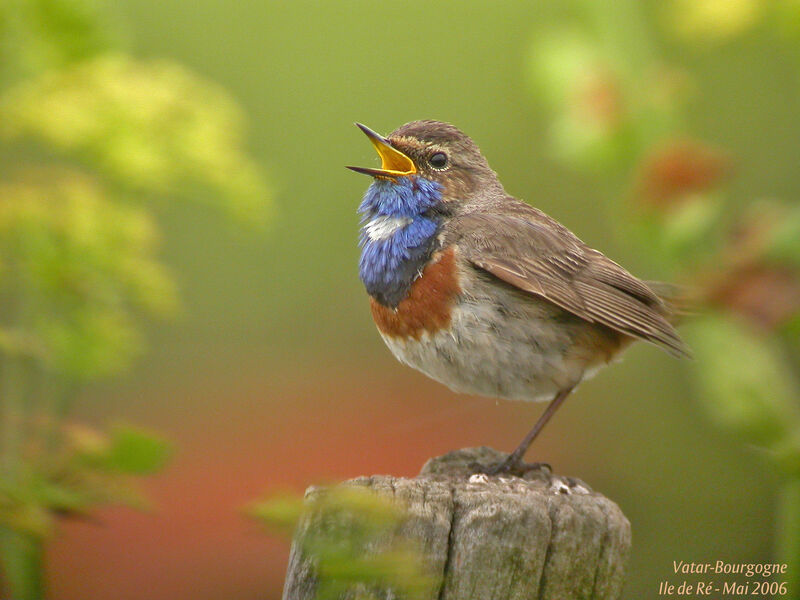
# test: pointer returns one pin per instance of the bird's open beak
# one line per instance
(393, 162)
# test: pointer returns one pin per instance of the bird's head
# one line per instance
(429, 171)
(434, 151)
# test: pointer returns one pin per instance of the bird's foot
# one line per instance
(513, 466)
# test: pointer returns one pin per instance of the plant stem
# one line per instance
(788, 535)
(22, 558)
(21, 553)
(62, 394)
(12, 417)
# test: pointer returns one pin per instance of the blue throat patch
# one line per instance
(389, 265)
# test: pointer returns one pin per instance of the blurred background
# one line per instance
(234, 331)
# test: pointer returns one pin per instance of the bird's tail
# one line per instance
(680, 301)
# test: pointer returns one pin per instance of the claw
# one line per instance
(511, 467)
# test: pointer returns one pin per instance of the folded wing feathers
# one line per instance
(576, 278)
(627, 314)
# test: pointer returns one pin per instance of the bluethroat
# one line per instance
(483, 292)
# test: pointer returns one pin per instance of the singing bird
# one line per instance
(485, 293)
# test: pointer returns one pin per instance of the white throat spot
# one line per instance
(384, 226)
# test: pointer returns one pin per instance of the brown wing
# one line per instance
(532, 252)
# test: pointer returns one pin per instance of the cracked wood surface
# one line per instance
(540, 536)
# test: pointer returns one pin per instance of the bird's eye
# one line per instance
(438, 160)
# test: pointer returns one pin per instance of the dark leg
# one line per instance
(514, 460)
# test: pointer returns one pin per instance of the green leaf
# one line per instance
(606, 105)
(28, 519)
(712, 20)
(134, 451)
(281, 512)
(151, 126)
(22, 557)
(40, 35)
(353, 537)
(744, 384)
(61, 497)
(784, 243)
(83, 267)
(692, 227)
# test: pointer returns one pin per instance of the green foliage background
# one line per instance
(91, 138)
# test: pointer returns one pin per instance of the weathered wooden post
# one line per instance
(539, 536)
